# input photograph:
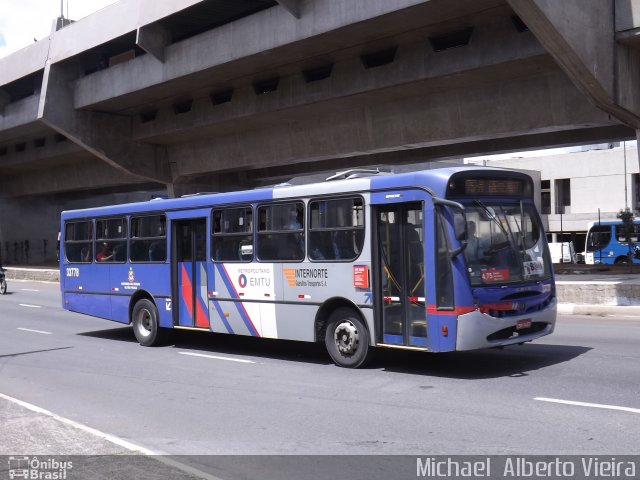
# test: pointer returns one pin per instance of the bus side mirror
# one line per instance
(460, 227)
(459, 223)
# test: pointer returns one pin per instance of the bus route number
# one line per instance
(73, 272)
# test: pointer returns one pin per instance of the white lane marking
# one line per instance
(592, 405)
(109, 438)
(631, 316)
(239, 360)
(112, 438)
(29, 306)
(29, 289)
(35, 331)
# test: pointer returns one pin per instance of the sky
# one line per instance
(22, 21)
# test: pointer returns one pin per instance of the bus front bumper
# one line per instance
(479, 330)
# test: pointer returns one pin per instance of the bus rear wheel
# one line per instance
(347, 339)
(146, 325)
(3, 287)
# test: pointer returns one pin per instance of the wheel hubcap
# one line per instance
(144, 323)
(346, 338)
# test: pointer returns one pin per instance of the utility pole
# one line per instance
(624, 149)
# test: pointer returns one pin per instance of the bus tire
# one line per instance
(347, 339)
(145, 322)
(621, 260)
(3, 287)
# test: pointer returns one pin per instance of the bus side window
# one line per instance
(281, 232)
(78, 242)
(148, 239)
(232, 235)
(336, 229)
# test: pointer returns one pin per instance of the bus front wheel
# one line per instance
(347, 339)
(146, 325)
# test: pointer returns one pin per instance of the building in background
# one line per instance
(580, 185)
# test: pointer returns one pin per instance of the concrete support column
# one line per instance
(106, 136)
(573, 32)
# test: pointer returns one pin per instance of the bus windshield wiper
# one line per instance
(494, 219)
(508, 234)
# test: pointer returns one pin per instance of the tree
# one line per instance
(627, 229)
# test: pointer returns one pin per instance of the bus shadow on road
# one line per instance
(513, 361)
(221, 344)
(122, 334)
(286, 350)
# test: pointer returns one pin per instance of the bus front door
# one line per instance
(190, 273)
(400, 283)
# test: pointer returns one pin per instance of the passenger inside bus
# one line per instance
(105, 253)
(473, 242)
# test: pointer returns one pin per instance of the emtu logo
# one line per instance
(290, 275)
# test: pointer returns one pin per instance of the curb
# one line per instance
(35, 274)
(597, 310)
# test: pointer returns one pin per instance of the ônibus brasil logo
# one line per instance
(34, 468)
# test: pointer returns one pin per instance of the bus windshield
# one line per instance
(598, 237)
(505, 244)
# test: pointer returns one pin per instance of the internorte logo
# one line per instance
(306, 277)
(290, 276)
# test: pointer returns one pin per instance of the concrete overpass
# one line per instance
(220, 94)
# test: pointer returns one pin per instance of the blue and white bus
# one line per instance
(438, 260)
(607, 243)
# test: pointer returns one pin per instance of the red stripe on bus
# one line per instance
(202, 320)
(187, 292)
(433, 310)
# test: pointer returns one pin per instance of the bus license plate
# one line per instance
(526, 323)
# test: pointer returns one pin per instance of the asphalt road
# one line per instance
(215, 394)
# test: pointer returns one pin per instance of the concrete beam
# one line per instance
(291, 6)
(263, 41)
(24, 62)
(153, 39)
(416, 70)
(21, 113)
(518, 107)
(579, 35)
(34, 155)
(85, 175)
(111, 22)
(106, 136)
(453, 151)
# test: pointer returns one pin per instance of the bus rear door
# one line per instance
(190, 273)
